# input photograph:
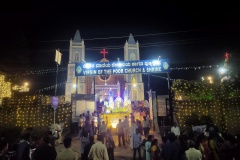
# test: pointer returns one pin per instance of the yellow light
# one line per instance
(114, 124)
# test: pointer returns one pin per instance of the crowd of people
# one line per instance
(176, 145)
(129, 130)
(30, 147)
(208, 145)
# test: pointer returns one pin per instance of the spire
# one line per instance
(77, 37)
(131, 39)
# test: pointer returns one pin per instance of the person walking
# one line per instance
(45, 151)
(148, 147)
(87, 148)
(120, 133)
(58, 128)
(67, 152)
(110, 145)
(146, 126)
(192, 153)
(126, 128)
(98, 151)
(84, 141)
(155, 150)
(175, 129)
(103, 130)
(23, 150)
(132, 132)
(137, 141)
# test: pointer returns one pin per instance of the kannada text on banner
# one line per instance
(122, 67)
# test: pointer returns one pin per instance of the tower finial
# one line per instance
(77, 37)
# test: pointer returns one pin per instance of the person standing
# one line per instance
(23, 150)
(87, 148)
(45, 151)
(137, 141)
(146, 126)
(81, 122)
(132, 117)
(58, 128)
(103, 130)
(192, 153)
(98, 151)
(148, 147)
(98, 124)
(110, 145)
(175, 129)
(126, 128)
(84, 141)
(155, 150)
(120, 132)
(171, 148)
(132, 132)
(4, 149)
(67, 153)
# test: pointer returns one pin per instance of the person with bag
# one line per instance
(110, 145)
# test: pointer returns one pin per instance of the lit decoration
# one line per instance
(226, 56)
(33, 111)
(104, 52)
(5, 88)
(219, 102)
(113, 118)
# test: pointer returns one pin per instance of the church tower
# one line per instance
(76, 55)
(133, 82)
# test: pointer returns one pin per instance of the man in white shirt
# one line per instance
(98, 151)
(146, 126)
(132, 132)
(67, 153)
(175, 129)
(192, 153)
(58, 128)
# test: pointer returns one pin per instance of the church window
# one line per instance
(132, 56)
(76, 56)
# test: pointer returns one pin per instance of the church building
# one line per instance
(128, 86)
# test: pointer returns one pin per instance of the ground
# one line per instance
(120, 153)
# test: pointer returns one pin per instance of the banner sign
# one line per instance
(122, 67)
(55, 102)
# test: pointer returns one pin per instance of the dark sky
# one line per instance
(191, 34)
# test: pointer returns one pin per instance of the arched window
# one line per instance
(132, 56)
(76, 56)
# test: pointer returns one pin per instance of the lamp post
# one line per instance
(58, 57)
(170, 99)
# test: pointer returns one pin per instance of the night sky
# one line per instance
(191, 34)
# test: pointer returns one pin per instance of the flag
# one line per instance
(58, 57)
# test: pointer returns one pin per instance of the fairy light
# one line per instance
(219, 102)
(29, 111)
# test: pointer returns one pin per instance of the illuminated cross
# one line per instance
(226, 56)
(104, 52)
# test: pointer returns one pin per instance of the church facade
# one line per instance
(128, 86)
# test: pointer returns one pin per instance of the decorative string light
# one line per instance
(32, 111)
(218, 101)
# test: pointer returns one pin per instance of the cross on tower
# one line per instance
(104, 52)
(226, 56)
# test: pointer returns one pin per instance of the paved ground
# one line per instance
(120, 153)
